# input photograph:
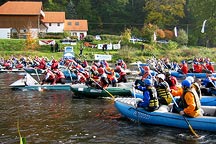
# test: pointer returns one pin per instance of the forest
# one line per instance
(197, 18)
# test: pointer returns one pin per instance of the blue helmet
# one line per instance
(148, 82)
(186, 83)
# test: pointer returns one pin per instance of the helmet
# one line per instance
(94, 68)
(148, 82)
(190, 78)
(118, 67)
(109, 68)
(100, 70)
(186, 83)
(183, 62)
(146, 68)
(167, 73)
(161, 76)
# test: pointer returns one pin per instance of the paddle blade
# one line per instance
(22, 140)
(192, 130)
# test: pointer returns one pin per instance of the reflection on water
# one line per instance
(55, 117)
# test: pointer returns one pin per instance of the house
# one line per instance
(77, 28)
(22, 18)
(54, 21)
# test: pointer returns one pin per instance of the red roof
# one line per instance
(54, 17)
(76, 25)
(21, 8)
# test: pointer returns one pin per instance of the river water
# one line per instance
(55, 117)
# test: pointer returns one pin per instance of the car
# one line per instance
(68, 52)
(97, 37)
(163, 41)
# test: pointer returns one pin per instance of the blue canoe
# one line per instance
(162, 116)
(205, 100)
(197, 75)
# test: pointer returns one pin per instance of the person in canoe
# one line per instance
(195, 85)
(150, 101)
(49, 77)
(189, 102)
(121, 63)
(147, 74)
(103, 82)
(54, 65)
(163, 90)
(122, 74)
(171, 80)
(60, 77)
(111, 76)
(210, 67)
(183, 68)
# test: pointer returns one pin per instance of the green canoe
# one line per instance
(84, 91)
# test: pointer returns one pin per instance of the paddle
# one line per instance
(102, 88)
(37, 74)
(22, 139)
(196, 135)
(134, 91)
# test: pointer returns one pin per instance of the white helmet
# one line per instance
(190, 78)
(162, 76)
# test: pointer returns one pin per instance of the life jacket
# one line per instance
(172, 81)
(163, 93)
(197, 88)
(153, 102)
(184, 68)
(197, 68)
(111, 75)
(54, 66)
(50, 75)
(81, 77)
(196, 98)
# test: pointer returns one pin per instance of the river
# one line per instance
(55, 117)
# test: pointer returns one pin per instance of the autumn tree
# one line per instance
(164, 12)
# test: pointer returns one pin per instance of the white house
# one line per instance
(77, 28)
(54, 21)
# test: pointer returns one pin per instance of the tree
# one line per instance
(71, 11)
(182, 38)
(204, 10)
(164, 12)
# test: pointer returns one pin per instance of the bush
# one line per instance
(89, 38)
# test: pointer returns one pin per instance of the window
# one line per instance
(58, 24)
(50, 24)
(77, 23)
(69, 23)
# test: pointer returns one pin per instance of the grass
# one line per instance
(129, 52)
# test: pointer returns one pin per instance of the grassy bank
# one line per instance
(129, 52)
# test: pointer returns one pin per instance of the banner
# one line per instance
(203, 26)
(103, 57)
(46, 42)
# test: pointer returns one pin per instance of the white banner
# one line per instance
(46, 42)
(103, 57)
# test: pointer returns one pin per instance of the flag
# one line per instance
(154, 37)
(203, 26)
(175, 31)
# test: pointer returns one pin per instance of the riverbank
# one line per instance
(129, 52)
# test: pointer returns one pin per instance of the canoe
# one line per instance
(205, 100)
(197, 75)
(14, 70)
(89, 92)
(29, 83)
(162, 116)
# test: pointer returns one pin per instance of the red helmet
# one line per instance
(94, 68)
(100, 70)
(146, 68)
(118, 67)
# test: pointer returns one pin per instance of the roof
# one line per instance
(21, 8)
(76, 25)
(51, 17)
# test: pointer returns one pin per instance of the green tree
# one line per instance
(71, 11)
(204, 10)
(164, 12)
(182, 38)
